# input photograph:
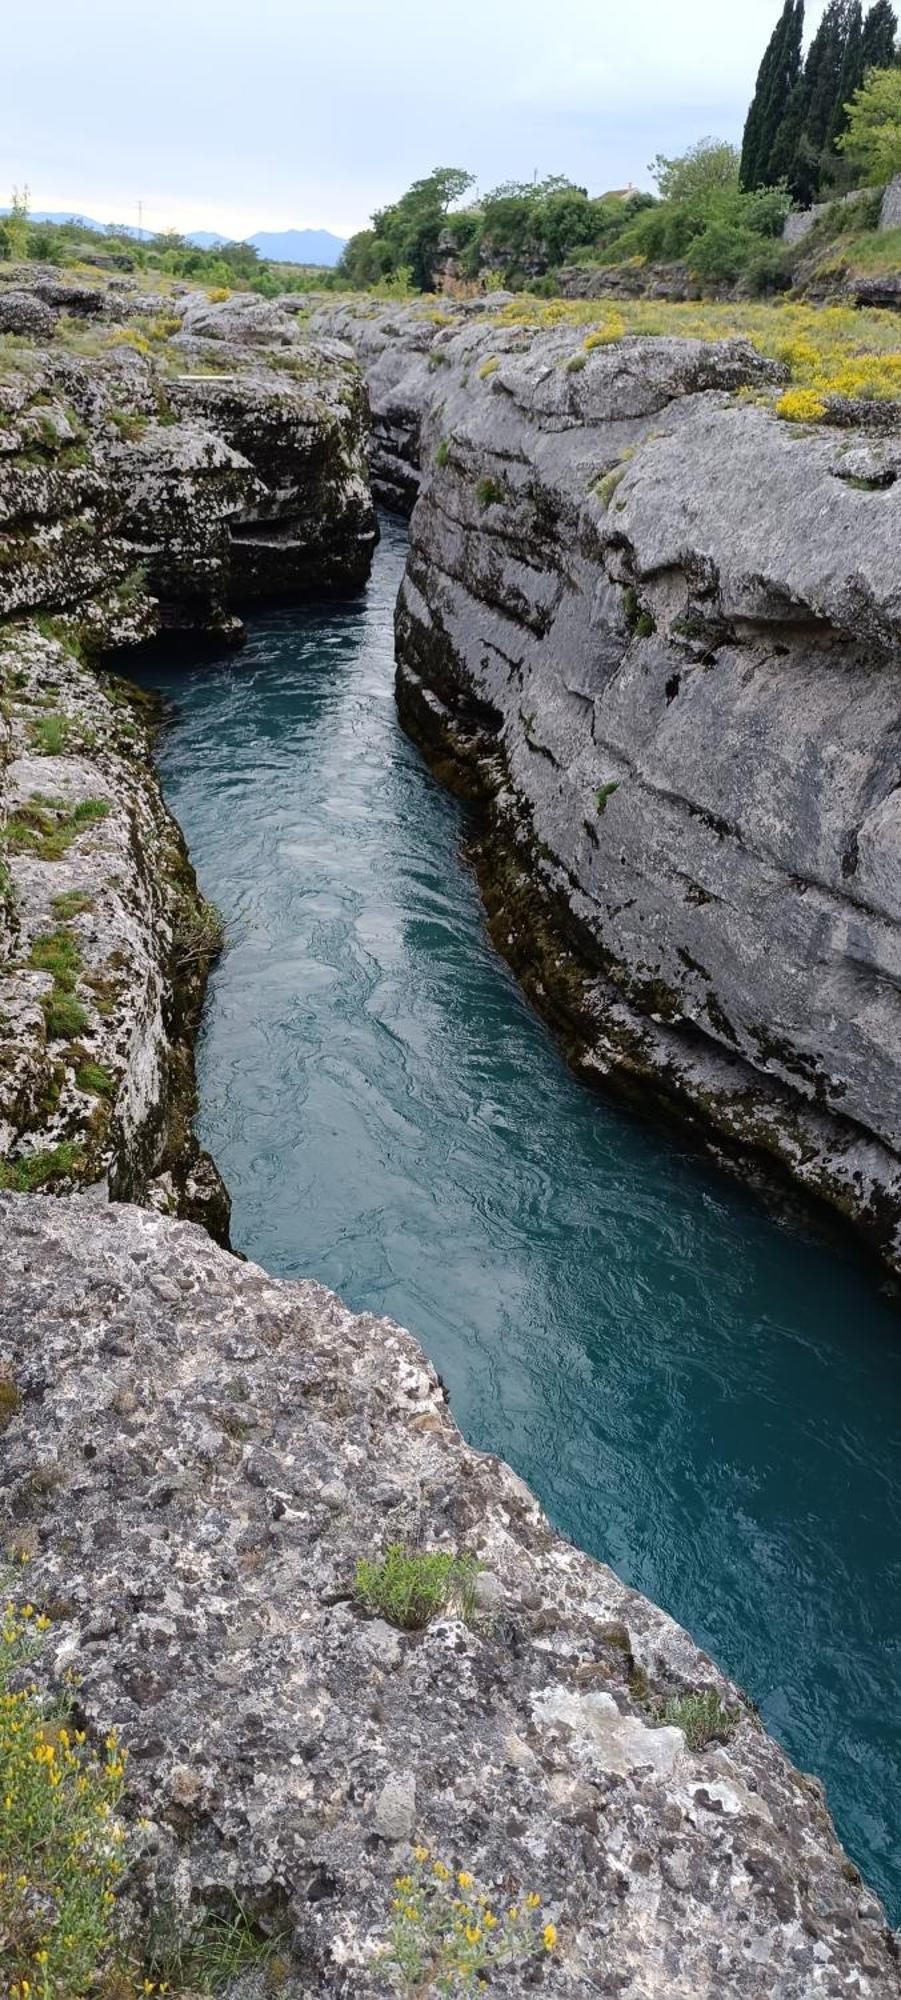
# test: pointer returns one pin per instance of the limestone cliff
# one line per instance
(196, 1455)
(163, 463)
(657, 631)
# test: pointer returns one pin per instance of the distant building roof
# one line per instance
(619, 194)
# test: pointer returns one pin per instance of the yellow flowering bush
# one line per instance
(217, 294)
(801, 406)
(60, 1839)
(614, 328)
(445, 1936)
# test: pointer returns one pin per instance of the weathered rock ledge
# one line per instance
(657, 632)
(198, 1457)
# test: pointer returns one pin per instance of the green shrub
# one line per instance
(442, 454)
(489, 493)
(411, 1586)
(604, 793)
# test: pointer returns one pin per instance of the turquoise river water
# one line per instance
(707, 1399)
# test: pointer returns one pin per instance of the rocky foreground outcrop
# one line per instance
(194, 1458)
(657, 631)
(165, 462)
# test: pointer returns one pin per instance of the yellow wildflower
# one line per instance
(533, 1902)
(464, 1879)
(550, 1936)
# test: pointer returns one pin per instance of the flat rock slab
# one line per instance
(185, 1428)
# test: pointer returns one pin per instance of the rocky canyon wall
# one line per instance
(657, 630)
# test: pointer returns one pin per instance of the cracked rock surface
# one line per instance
(198, 1456)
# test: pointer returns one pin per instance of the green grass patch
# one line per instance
(65, 1016)
(489, 492)
(411, 1586)
(701, 1717)
(57, 953)
(93, 1077)
(604, 794)
(72, 903)
(442, 453)
(46, 827)
(223, 1947)
(41, 1170)
(50, 734)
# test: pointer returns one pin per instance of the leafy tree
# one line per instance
(708, 165)
(872, 141)
(776, 79)
(408, 232)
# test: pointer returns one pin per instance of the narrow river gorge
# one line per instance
(700, 1395)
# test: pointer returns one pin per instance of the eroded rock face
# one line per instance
(198, 1456)
(658, 632)
(212, 454)
(104, 946)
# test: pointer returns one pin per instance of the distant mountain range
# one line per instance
(283, 246)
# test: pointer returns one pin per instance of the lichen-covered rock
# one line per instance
(658, 631)
(195, 1457)
(104, 947)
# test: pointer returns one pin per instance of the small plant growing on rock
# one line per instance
(701, 1716)
(199, 932)
(411, 1586)
(445, 1935)
(605, 793)
(442, 453)
(489, 493)
(60, 1840)
(50, 734)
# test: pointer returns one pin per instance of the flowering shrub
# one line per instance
(613, 329)
(445, 1936)
(60, 1839)
(801, 406)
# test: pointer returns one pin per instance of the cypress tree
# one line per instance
(823, 72)
(851, 76)
(880, 30)
(776, 79)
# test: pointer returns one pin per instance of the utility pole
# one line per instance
(140, 221)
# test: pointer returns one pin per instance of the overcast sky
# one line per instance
(284, 112)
